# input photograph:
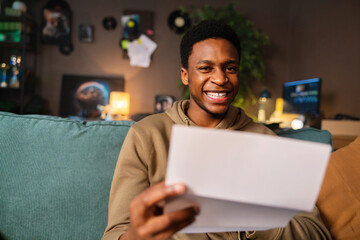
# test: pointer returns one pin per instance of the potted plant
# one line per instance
(252, 40)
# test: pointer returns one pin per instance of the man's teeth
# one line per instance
(216, 94)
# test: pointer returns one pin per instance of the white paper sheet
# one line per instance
(244, 181)
(140, 51)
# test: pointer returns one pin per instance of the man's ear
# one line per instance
(184, 76)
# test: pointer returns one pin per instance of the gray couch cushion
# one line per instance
(55, 176)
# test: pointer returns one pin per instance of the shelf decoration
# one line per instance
(10, 31)
(15, 62)
(4, 68)
(20, 6)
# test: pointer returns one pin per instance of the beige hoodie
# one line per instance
(235, 119)
(142, 163)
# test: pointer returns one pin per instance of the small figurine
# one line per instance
(14, 66)
(4, 68)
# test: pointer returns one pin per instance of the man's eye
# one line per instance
(205, 69)
(232, 69)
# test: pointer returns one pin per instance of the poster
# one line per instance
(56, 23)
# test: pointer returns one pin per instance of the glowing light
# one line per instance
(120, 103)
(297, 124)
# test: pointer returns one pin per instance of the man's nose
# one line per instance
(219, 77)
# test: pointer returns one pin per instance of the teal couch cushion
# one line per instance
(55, 176)
(308, 134)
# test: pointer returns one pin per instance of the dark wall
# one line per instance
(325, 42)
(104, 57)
(309, 39)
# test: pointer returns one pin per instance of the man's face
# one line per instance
(212, 77)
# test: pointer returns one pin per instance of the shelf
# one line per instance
(11, 44)
(16, 96)
(27, 29)
(15, 45)
(22, 19)
(9, 90)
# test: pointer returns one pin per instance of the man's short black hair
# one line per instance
(205, 30)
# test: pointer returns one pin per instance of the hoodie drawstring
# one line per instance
(187, 122)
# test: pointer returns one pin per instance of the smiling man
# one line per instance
(210, 55)
(211, 72)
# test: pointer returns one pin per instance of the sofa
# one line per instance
(56, 173)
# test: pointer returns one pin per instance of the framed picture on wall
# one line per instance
(56, 23)
(86, 33)
(83, 96)
(163, 103)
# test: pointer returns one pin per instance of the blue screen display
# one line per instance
(302, 97)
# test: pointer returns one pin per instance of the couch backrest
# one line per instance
(308, 134)
(55, 176)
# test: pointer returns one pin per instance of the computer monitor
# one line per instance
(302, 97)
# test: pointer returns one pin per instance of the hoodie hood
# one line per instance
(235, 118)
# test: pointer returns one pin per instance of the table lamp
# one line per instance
(263, 97)
(119, 105)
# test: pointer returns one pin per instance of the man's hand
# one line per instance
(147, 221)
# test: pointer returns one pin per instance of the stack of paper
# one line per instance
(243, 181)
